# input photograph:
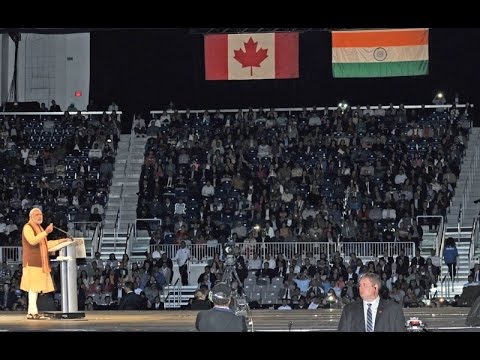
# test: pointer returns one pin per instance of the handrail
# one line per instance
(459, 220)
(177, 297)
(128, 243)
(445, 288)
(130, 141)
(440, 232)
(95, 239)
(168, 288)
(115, 228)
(473, 240)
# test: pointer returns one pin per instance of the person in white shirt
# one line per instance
(95, 153)
(182, 257)
(208, 190)
(157, 253)
(436, 260)
(314, 304)
(139, 126)
(284, 305)
(255, 263)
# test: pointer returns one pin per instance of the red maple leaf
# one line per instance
(250, 57)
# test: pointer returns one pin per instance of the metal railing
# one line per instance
(129, 241)
(59, 113)
(204, 252)
(434, 220)
(11, 254)
(97, 239)
(474, 239)
(174, 295)
(446, 285)
(376, 249)
(198, 252)
(297, 109)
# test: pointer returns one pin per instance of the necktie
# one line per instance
(369, 318)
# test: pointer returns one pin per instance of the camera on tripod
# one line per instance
(229, 253)
(230, 273)
(230, 260)
(239, 302)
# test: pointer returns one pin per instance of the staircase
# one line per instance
(121, 208)
(467, 190)
(463, 211)
(463, 265)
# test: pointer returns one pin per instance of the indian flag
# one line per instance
(380, 53)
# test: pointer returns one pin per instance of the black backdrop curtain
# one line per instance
(146, 69)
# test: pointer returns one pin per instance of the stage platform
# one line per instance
(324, 320)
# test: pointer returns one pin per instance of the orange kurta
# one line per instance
(33, 277)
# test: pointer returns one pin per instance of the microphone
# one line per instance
(65, 232)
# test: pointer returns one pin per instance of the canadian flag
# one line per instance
(251, 56)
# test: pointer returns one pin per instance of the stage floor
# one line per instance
(442, 319)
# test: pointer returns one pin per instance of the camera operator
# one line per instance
(221, 318)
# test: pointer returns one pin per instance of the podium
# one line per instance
(69, 251)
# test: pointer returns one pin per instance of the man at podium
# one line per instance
(36, 276)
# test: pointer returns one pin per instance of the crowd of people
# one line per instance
(315, 175)
(63, 165)
(349, 175)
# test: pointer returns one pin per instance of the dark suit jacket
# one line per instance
(388, 260)
(131, 301)
(219, 320)
(389, 317)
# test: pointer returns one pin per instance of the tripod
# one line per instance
(239, 301)
(230, 274)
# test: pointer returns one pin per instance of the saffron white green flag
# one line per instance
(380, 53)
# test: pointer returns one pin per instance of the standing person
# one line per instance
(371, 313)
(36, 276)
(221, 318)
(131, 300)
(182, 257)
(450, 256)
(55, 107)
